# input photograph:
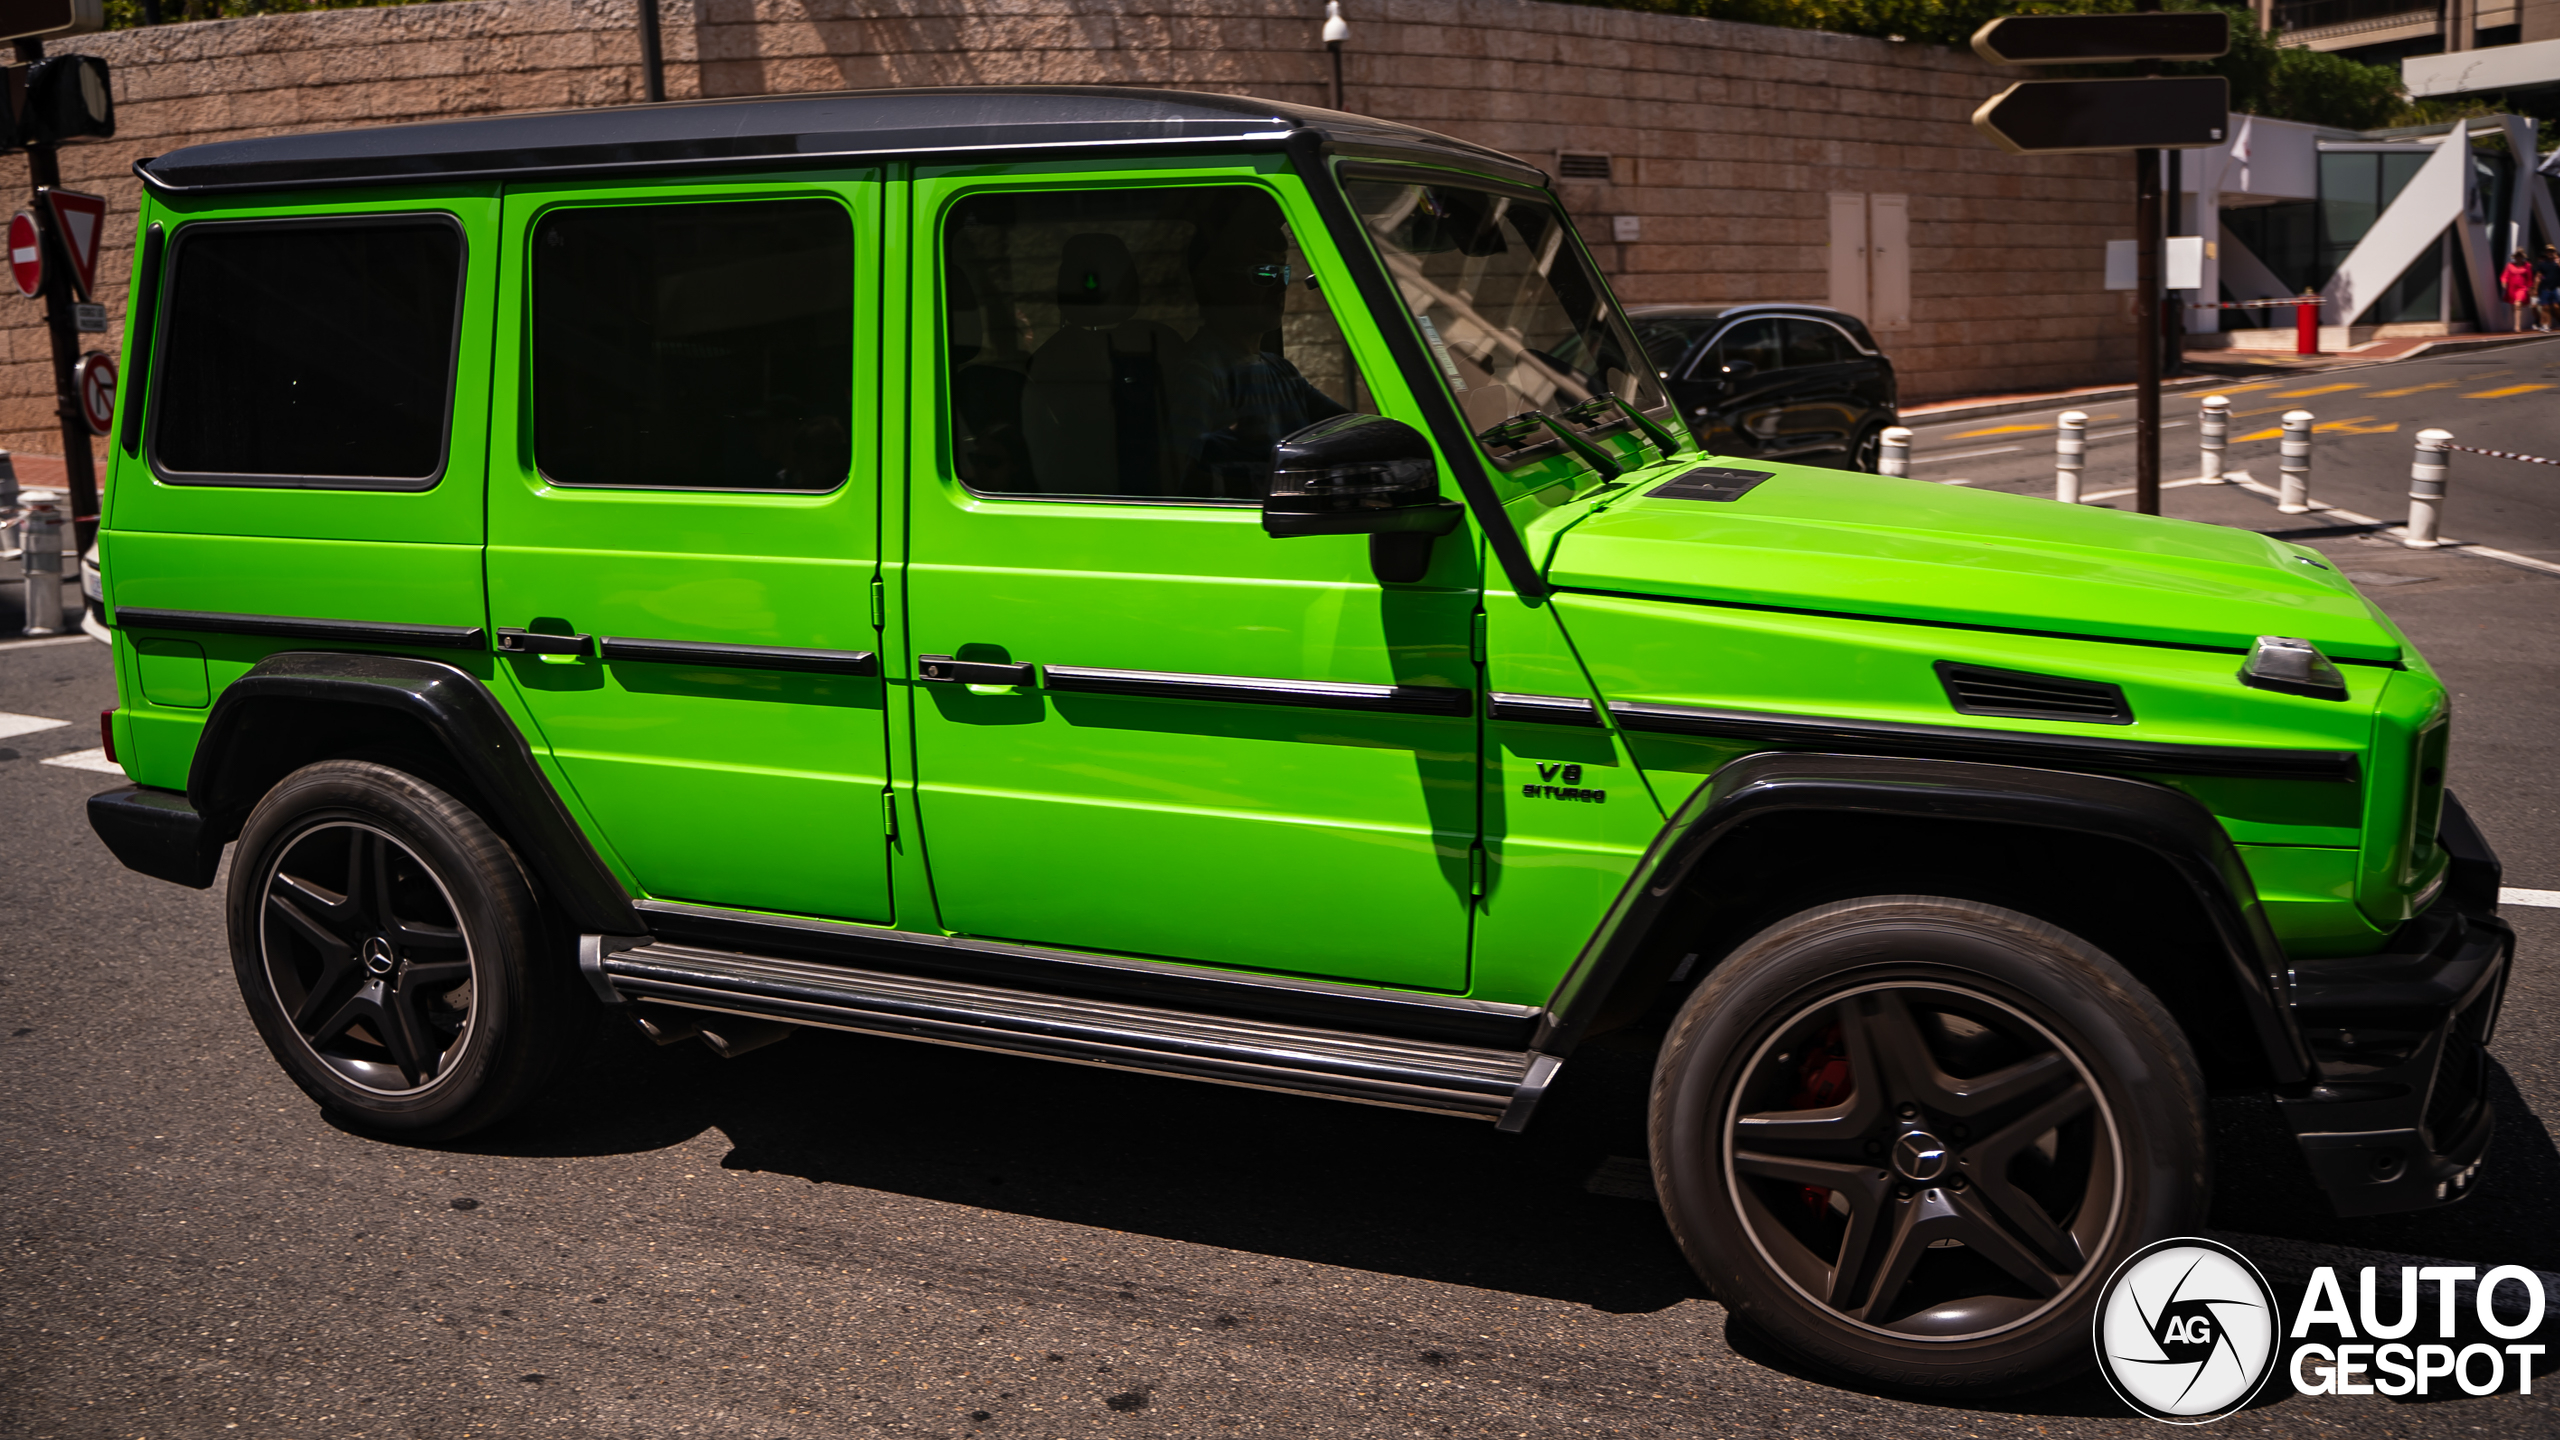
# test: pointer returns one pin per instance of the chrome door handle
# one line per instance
(534, 642)
(942, 669)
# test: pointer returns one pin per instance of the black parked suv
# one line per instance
(1795, 382)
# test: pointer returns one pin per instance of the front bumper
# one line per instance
(2398, 1117)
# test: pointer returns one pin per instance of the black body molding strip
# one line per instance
(135, 388)
(1247, 690)
(2181, 832)
(1079, 972)
(299, 706)
(1999, 747)
(1543, 709)
(742, 657)
(288, 627)
(1456, 439)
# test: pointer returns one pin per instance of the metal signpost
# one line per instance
(2144, 115)
(44, 101)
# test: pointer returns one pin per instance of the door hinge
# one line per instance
(1475, 637)
(1475, 870)
(879, 603)
(889, 814)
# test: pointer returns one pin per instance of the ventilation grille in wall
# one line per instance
(2018, 695)
(1575, 165)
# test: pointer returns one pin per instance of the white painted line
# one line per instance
(8, 645)
(2547, 899)
(88, 760)
(26, 724)
(2165, 485)
(1967, 454)
(2241, 479)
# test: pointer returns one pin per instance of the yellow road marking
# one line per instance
(1999, 430)
(2315, 390)
(2502, 394)
(2414, 389)
(2360, 425)
(2261, 435)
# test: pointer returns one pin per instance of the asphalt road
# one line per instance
(2506, 398)
(841, 1236)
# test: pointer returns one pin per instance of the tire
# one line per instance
(1867, 451)
(390, 949)
(1948, 1071)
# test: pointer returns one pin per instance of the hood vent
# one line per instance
(2021, 695)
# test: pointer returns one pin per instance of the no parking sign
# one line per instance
(94, 381)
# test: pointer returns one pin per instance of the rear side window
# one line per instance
(1810, 342)
(694, 347)
(314, 353)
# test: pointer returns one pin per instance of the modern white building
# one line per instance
(2402, 232)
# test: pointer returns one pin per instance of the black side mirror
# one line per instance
(1362, 475)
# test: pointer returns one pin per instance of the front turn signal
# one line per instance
(2292, 666)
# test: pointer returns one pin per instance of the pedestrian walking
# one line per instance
(2546, 288)
(2516, 283)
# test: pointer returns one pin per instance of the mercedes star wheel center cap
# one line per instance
(377, 956)
(1919, 1156)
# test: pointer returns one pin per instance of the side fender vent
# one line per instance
(2021, 695)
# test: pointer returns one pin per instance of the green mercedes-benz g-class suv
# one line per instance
(1178, 582)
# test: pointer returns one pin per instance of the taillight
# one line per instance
(107, 734)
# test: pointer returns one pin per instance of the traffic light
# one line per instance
(67, 99)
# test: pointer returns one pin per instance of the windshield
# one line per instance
(1517, 322)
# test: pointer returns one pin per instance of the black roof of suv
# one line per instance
(1856, 328)
(832, 128)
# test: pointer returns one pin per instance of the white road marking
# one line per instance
(88, 760)
(26, 724)
(2462, 547)
(2547, 899)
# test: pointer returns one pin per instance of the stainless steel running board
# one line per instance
(1498, 1085)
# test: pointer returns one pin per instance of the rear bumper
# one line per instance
(156, 832)
(2399, 1116)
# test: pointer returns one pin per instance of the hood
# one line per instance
(1839, 542)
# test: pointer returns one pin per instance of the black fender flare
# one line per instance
(454, 708)
(2181, 832)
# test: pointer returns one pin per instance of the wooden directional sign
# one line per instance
(2069, 117)
(2096, 39)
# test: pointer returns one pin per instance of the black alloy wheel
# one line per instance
(1910, 1136)
(390, 949)
(364, 951)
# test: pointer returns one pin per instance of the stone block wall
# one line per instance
(1726, 139)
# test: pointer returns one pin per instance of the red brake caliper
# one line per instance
(1822, 1080)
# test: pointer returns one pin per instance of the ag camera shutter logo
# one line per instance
(2187, 1331)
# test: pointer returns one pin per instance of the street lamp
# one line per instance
(1336, 30)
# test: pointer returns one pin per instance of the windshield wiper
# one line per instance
(1515, 432)
(1589, 412)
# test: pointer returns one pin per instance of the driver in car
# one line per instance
(1248, 396)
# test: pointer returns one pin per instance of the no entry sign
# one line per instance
(26, 254)
(94, 378)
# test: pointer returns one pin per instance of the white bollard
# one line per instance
(40, 537)
(2213, 436)
(2293, 466)
(2427, 475)
(2070, 451)
(1893, 452)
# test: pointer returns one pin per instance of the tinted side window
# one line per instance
(694, 347)
(1134, 344)
(1755, 341)
(1810, 342)
(309, 354)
